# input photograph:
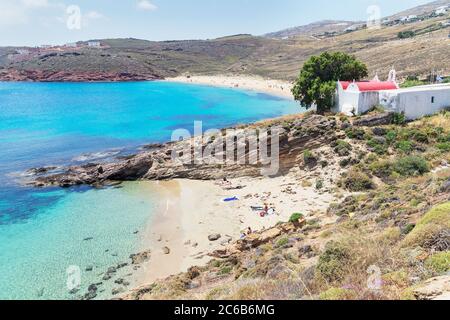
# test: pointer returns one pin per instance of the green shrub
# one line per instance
(439, 262)
(391, 136)
(344, 162)
(430, 226)
(355, 133)
(324, 163)
(399, 119)
(444, 138)
(377, 145)
(332, 261)
(411, 166)
(420, 137)
(406, 34)
(411, 83)
(319, 184)
(282, 242)
(225, 270)
(295, 217)
(335, 294)
(309, 158)
(356, 181)
(404, 146)
(381, 168)
(408, 228)
(342, 148)
(443, 146)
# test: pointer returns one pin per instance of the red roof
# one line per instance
(371, 85)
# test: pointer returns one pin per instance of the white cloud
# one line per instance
(146, 5)
(94, 15)
(35, 3)
(11, 14)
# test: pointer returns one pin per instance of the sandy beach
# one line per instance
(274, 87)
(190, 211)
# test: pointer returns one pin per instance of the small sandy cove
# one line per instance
(254, 83)
(190, 211)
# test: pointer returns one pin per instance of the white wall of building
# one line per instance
(351, 102)
(419, 102)
(414, 102)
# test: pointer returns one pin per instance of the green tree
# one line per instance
(316, 83)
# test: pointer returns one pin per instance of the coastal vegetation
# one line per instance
(316, 84)
(388, 237)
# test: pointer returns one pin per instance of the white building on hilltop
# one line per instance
(94, 44)
(441, 11)
(356, 98)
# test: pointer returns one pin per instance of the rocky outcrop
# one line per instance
(253, 240)
(141, 257)
(171, 160)
(434, 289)
(375, 120)
(72, 76)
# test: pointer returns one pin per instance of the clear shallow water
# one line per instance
(42, 231)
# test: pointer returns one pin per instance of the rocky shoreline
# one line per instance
(72, 76)
(300, 133)
(156, 163)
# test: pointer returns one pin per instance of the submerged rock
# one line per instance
(139, 258)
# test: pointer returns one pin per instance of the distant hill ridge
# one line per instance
(278, 55)
(331, 26)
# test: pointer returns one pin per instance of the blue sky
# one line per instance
(35, 22)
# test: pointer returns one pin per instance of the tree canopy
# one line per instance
(316, 84)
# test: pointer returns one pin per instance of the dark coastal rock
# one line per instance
(139, 258)
(107, 277)
(37, 171)
(92, 292)
(375, 120)
(117, 291)
(90, 295)
(122, 282)
(111, 270)
(122, 265)
(157, 164)
(214, 237)
(379, 140)
(38, 75)
(446, 186)
(378, 131)
(89, 268)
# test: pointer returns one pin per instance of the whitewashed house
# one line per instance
(94, 44)
(409, 18)
(417, 102)
(441, 11)
(356, 98)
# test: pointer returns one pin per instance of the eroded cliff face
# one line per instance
(72, 76)
(159, 162)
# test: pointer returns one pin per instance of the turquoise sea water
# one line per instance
(43, 231)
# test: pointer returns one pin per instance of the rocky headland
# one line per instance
(72, 76)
